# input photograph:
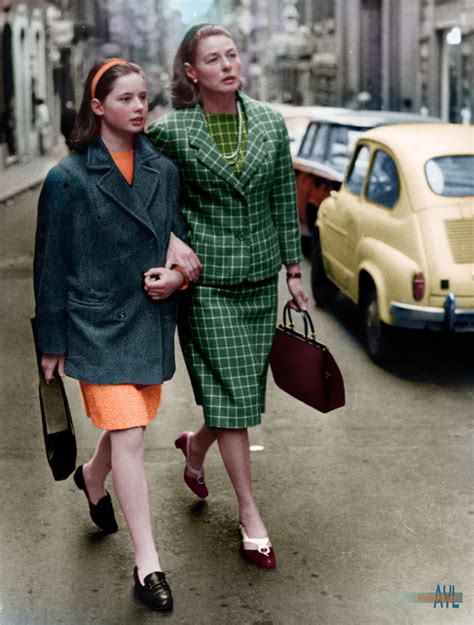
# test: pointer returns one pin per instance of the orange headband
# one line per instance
(101, 71)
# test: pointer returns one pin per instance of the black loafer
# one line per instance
(155, 594)
(102, 513)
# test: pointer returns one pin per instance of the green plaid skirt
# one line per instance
(226, 333)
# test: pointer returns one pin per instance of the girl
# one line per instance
(239, 202)
(104, 218)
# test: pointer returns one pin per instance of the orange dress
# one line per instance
(121, 406)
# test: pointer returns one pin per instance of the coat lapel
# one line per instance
(112, 184)
(208, 153)
(147, 171)
(256, 141)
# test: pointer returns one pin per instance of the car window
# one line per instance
(341, 146)
(307, 144)
(383, 186)
(318, 151)
(355, 180)
(452, 176)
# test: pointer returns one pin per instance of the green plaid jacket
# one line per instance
(242, 228)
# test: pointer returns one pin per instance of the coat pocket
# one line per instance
(88, 303)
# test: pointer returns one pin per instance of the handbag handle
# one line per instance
(308, 322)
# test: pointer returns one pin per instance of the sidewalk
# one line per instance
(19, 178)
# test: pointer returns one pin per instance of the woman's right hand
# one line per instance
(179, 253)
(51, 362)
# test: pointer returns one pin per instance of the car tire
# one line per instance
(324, 291)
(378, 335)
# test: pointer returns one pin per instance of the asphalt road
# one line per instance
(363, 504)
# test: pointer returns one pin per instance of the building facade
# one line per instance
(26, 80)
(445, 85)
(412, 55)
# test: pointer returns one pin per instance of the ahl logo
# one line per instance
(445, 597)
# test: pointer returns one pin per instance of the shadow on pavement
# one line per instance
(444, 359)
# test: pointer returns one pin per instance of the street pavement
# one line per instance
(363, 504)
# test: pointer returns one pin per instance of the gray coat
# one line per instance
(95, 237)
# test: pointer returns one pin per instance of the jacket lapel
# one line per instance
(256, 141)
(208, 153)
(146, 170)
(114, 186)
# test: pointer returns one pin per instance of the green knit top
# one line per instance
(223, 129)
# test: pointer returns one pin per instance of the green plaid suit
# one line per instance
(242, 228)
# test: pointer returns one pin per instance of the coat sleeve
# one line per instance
(283, 204)
(178, 225)
(51, 265)
(157, 133)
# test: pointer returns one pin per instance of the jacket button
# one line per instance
(121, 314)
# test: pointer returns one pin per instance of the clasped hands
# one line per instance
(161, 282)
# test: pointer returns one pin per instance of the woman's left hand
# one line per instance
(179, 253)
(296, 288)
(160, 282)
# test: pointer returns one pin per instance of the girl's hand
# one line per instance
(179, 253)
(161, 282)
(49, 363)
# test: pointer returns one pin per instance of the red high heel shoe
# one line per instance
(263, 556)
(196, 480)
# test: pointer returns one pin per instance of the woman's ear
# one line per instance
(190, 72)
(96, 106)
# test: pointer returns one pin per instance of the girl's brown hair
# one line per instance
(87, 125)
(184, 93)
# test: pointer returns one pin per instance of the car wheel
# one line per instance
(324, 291)
(378, 334)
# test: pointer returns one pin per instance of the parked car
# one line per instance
(297, 119)
(398, 237)
(324, 154)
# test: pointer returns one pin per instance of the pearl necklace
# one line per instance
(233, 158)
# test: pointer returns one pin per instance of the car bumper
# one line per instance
(447, 318)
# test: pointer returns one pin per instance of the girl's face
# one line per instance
(216, 66)
(125, 108)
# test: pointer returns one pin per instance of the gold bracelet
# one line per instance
(293, 274)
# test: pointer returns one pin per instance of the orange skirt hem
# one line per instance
(120, 406)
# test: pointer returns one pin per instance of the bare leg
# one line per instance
(199, 446)
(128, 472)
(235, 452)
(97, 469)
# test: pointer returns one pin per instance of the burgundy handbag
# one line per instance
(305, 368)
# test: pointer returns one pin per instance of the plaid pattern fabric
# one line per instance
(226, 334)
(223, 129)
(243, 227)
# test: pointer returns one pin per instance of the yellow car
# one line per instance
(398, 237)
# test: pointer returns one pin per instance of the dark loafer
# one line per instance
(155, 594)
(102, 513)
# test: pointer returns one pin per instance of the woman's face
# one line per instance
(125, 108)
(216, 66)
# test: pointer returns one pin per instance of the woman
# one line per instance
(104, 217)
(238, 199)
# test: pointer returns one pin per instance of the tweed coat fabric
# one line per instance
(95, 237)
(242, 228)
